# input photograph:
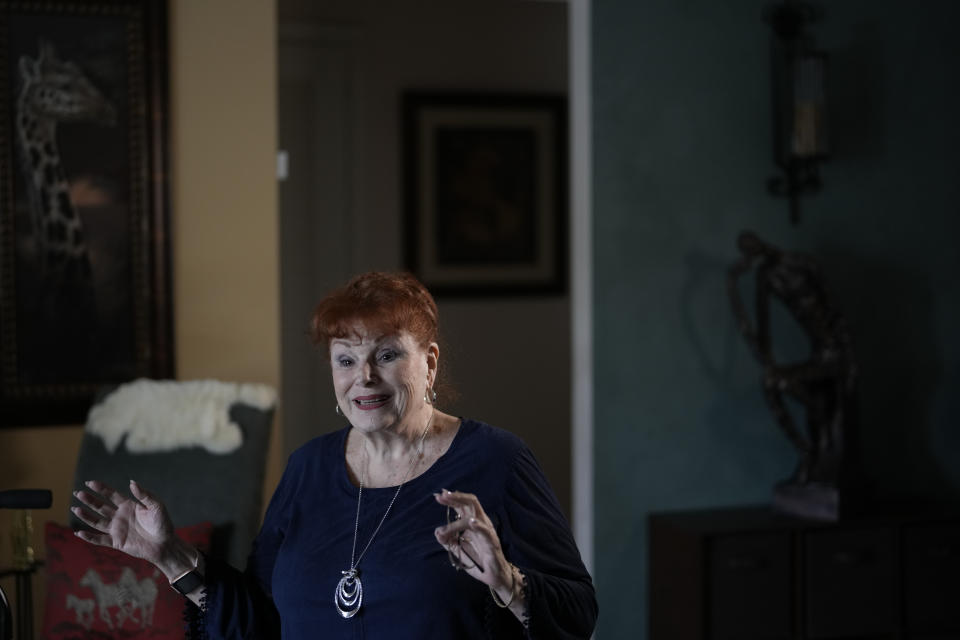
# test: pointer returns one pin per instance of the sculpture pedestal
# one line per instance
(813, 501)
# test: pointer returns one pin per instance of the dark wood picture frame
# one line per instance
(85, 286)
(486, 192)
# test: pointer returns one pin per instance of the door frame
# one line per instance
(581, 268)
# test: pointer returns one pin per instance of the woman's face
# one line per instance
(380, 380)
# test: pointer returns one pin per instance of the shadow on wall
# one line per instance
(890, 309)
(707, 271)
(740, 429)
(15, 468)
(857, 93)
(908, 446)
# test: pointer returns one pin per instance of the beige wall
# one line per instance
(224, 194)
(224, 231)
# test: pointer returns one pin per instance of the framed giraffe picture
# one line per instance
(84, 224)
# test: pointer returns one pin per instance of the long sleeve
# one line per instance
(410, 589)
(536, 537)
(239, 605)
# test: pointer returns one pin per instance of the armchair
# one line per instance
(201, 447)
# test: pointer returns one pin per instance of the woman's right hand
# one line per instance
(138, 527)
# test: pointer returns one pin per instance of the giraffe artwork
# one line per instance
(85, 295)
(52, 92)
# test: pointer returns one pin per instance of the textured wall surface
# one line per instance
(681, 154)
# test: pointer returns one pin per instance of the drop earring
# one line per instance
(336, 409)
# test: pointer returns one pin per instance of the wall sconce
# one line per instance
(799, 102)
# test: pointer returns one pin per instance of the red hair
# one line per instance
(385, 303)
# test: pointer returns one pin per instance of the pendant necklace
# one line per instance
(349, 593)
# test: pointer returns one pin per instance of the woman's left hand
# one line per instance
(473, 543)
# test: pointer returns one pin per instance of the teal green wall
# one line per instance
(681, 139)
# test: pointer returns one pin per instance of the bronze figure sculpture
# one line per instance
(824, 384)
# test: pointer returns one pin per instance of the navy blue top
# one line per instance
(409, 588)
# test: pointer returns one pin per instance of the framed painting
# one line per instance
(485, 192)
(84, 249)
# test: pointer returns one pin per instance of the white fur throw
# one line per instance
(161, 415)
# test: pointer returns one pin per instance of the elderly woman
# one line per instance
(406, 523)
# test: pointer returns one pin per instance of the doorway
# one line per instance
(343, 66)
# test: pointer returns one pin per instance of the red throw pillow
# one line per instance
(94, 591)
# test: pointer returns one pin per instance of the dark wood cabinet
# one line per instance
(744, 570)
(752, 574)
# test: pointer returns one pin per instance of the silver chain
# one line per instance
(356, 524)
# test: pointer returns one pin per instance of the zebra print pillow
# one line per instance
(94, 591)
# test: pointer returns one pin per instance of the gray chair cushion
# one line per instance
(194, 484)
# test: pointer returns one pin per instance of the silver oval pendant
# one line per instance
(349, 594)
